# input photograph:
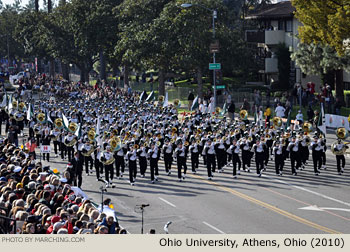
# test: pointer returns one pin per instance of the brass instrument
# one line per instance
(115, 132)
(41, 117)
(14, 104)
(89, 152)
(176, 102)
(91, 135)
(136, 146)
(115, 143)
(72, 142)
(218, 110)
(307, 127)
(21, 106)
(58, 123)
(107, 161)
(186, 143)
(338, 152)
(18, 116)
(161, 98)
(243, 114)
(72, 127)
(277, 122)
(342, 133)
(210, 133)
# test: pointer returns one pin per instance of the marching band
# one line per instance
(126, 133)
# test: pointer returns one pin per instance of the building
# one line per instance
(277, 24)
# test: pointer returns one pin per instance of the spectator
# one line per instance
(299, 118)
(337, 106)
(231, 111)
(190, 100)
(280, 111)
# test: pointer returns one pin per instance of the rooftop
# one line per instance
(281, 9)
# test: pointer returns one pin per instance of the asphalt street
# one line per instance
(302, 204)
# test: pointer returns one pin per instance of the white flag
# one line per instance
(165, 104)
(4, 101)
(322, 125)
(29, 112)
(65, 121)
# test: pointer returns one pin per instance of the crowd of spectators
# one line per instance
(36, 200)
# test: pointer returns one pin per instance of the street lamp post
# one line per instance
(214, 12)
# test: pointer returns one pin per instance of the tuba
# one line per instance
(21, 106)
(161, 99)
(277, 122)
(89, 152)
(218, 110)
(342, 133)
(176, 102)
(107, 161)
(41, 118)
(72, 127)
(14, 104)
(91, 135)
(307, 127)
(58, 123)
(18, 116)
(338, 152)
(115, 143)
(243, 114)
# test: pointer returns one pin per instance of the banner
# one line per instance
(45, 149)
(336, 121)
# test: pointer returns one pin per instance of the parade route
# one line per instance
(249, 204)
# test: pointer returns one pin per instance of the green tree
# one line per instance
(315, 59)
(283, 57)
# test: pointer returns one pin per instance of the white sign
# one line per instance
(336, 121)
(45, 148)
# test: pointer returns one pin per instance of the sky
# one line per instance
(24, 2)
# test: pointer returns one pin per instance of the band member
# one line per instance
(69, 147)
(55, 135)
(304, 150)
(119, 161)
(259, 149)
(142, 155)
(235, 149)
(339, 146)
(221, 155)
(278, 152)
(87, 151)
(323, 154)
(132, 156)
(246, 154)
(77, 163)
(168, 156)
(181, 154)
(317, 149)
(194, 150)
(153, 157)
(46, 139)
(209, 150)
(295, 157)
(106, 159)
